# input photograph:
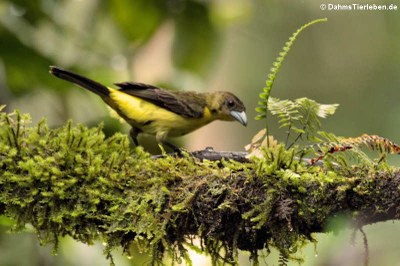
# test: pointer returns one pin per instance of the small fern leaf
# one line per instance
(277, 65)
(326, 109)
(310, 111)
(286, 110)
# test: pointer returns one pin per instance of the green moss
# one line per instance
(74, 181)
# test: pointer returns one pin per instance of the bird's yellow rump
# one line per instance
(161, 112)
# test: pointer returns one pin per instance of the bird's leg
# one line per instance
(161, 138)
(173, 147)
(134, 132)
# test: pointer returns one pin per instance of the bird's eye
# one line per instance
(230, 103)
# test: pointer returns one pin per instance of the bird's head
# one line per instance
(226, 106)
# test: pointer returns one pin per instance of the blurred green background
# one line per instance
(353, 60)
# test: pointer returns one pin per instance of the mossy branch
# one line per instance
(73, 181)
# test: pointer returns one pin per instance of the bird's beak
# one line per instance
(240, 116)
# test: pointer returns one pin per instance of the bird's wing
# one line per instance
(177, 102)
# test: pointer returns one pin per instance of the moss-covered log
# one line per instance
(74, 181)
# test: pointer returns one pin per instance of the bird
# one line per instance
(163, 113)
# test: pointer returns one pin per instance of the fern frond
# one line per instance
(310, 111)
(330, 150)
(286, 110)
(373, 142)
(276, 65)
(301, 116)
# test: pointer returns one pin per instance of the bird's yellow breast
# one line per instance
(152, 119)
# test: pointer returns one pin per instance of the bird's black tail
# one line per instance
(82, 81)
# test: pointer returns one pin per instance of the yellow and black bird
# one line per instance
(161, 112)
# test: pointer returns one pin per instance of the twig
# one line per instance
(210, 154)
